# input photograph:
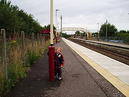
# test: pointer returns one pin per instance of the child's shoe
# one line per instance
(59, 78)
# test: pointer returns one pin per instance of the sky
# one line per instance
(88, 14)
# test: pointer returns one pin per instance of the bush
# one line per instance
(124, 37)
(20, 63)
(30, 58)
(15, 73)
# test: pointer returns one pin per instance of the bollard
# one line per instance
(51, 63)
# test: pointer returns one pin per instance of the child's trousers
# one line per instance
(58, 71)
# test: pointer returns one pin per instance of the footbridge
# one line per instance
(88, 34)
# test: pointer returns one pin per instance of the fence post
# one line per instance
(33, 41)
(5, 53)
(23, 46)
(23, 37)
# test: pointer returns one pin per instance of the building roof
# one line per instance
(45, 31)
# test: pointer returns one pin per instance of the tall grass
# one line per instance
(19, 59)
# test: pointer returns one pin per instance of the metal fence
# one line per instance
(114, 39)
(15, 47)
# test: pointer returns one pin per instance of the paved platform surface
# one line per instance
(108, 43)
(79, 80)
(114, 71)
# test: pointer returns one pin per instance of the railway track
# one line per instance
(118, 53)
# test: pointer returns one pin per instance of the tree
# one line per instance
(48, 28)
(95, 34)
(127, 31)
(14, 20)
(83, 34)
(111, 30)
(77, 33)
(123, 31)
(65, 35)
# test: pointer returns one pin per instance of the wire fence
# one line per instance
(115, 39)
(17, 50)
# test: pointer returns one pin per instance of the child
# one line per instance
(59, 60)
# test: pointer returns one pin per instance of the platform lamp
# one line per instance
(98, 31)
(61, 26)
(106, 30)
(51, 47)
(57, 10)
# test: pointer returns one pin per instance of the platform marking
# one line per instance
(121, 86)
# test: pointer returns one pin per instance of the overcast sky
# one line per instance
(80, 13)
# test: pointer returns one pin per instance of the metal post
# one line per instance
(86, 34)
(61, 26)
(51, 22)
(23, 46)
(32, 40)
(51, 48)
(98, 31)
(51, 63)
(5, 53)
(23, 37)
(57, 19)
(106, 30)
(56, 25)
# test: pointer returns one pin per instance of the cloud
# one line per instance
(84, 13)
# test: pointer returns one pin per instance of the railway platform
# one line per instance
(115, 72)
(119, 45)
(82, 76)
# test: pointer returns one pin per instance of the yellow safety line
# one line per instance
(120, 85)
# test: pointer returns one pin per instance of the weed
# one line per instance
(19, 59)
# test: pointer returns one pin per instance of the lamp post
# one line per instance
(98, 31)
(51, 48)
(61, 26)
(86, 34)
(57, 18)
(57, 21)
(51, 22)
(57, 27)
(106, 29)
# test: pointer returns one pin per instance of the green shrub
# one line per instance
(18, 70)
(30, 58)
(124, 37)
(15, 73)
